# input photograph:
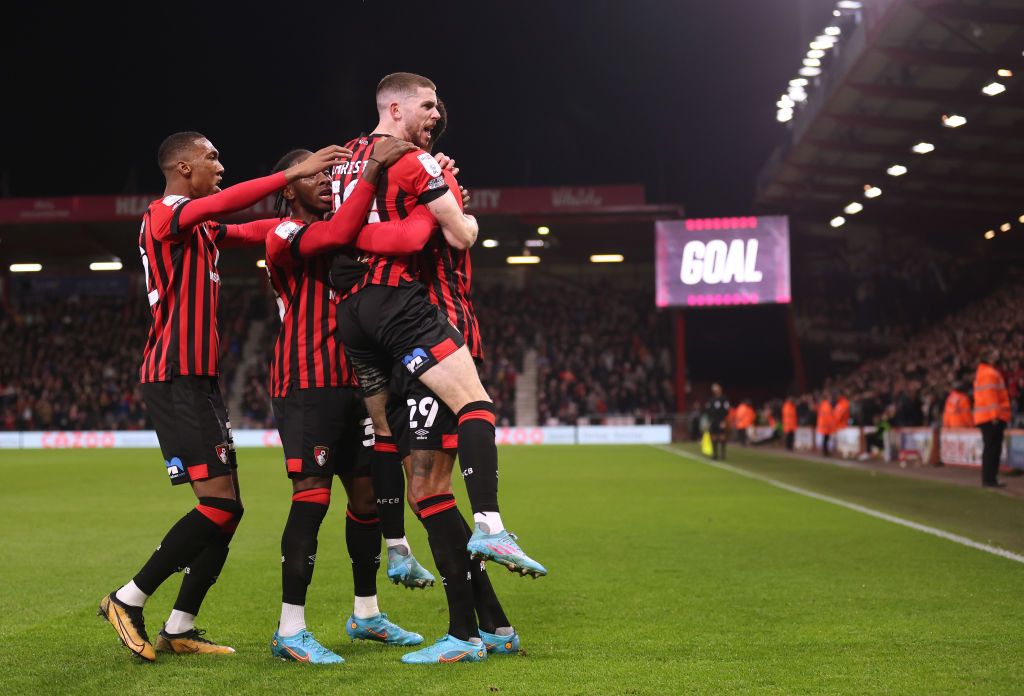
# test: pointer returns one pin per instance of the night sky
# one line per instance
(678, 96)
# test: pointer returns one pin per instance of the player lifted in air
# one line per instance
(385, 316)
(426, 429)
(179, 246)
(323, 424)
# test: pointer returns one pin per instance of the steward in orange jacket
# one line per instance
(745, 417)
(957, 413)
(991, 414)
(789, 422)
(841, 414)
(826, 424)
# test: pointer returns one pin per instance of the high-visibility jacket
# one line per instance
(957, 413)
(991, 400)
(841, 414)
(826, 424)
(745, 416)
(788, 417)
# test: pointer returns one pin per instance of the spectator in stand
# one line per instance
(991, 414)
(789, 422)
(957, 413)
(745, 419)
(826, 423)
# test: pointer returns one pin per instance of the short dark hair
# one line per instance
(174, 146)
(401, 83)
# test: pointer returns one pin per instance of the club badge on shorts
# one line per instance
(320, 454)
(222, 453)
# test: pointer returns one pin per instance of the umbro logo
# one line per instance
(421, 433)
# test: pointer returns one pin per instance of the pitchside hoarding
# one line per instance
(714, 262)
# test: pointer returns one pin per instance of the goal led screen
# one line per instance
(715, 262)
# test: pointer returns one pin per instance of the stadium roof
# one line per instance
(920, 99)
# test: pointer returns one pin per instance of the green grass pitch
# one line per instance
(667, 576)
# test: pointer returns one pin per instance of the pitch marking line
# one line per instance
(942, 534)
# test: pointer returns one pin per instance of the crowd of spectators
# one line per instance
(602, 356)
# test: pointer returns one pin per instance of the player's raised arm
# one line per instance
(241, 196)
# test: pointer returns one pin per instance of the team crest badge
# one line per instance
(320, 454)
(222, 453)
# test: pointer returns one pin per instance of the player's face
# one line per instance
(206, 169)
(313, 193)
(420, 115)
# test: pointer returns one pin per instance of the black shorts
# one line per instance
(324, 431)
(192, 426)
(381, 325)
(419, 420)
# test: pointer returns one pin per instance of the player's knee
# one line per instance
(226, 513)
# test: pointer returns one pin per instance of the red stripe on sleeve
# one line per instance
(443, 349)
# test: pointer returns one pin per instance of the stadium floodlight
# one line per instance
(1005, 227)
(490, 243)
(837, 221)
(534, 243)
(798, 82)
(923, 148)
(849, 5)
(837, 13)
(953, 120)
(853, 208)
(896, 170)
(518, 260)
(1021, 219)
(833, 31)
(797, 94)
(820, 45)
(785, 102)
(784, 115)
(872, 191)
(26, 267)
(993, 88)
(810, 72)
(815, 53)
(607, 258)
(990, 234)
(812, 62)
(105, 266)
(262, 263)
(543, 230)
(1004, 72)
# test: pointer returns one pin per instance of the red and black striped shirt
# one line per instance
(307, 352)
(447, 273)
(414, 180)
(183, 288)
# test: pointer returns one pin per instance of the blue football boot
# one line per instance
(500, 645)
(405, 569)
(302, 647)
(445, 650)
(503, 550)
(378, 628)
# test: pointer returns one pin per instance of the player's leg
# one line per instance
(179, 634)
(494, 627)
(362, 537)
(176, 425)
(308, 423)
(432, 491)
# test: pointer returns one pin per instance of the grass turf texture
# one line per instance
(667, 576)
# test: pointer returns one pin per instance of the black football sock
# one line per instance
(723, 450)
(362, 537)
(478, 455)
(298, 543)
(202, 572)
(186, 539)
(489, 612)
(388, 486)
(447, 537)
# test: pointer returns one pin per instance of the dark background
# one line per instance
(676, 95)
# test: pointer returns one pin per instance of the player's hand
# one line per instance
(447, 162)
(321, 160)
(387, 151)
(465, 195)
